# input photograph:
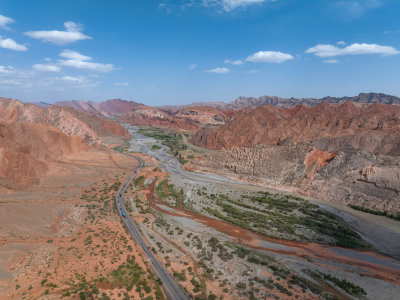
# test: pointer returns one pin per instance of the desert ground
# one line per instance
(69, 243)
(66, 238)
(172, 202)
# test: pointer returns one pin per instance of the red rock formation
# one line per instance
(373, 127)
(203, 115)
(66, 119)
(151, 116)
(320, 157)
(113, 107)
(26, 148)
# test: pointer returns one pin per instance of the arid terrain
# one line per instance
(348, 153)
(270, 210)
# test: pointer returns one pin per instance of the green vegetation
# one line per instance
(128, 275)
(377, 212)
(284, 216)
(138, 182)
(155, 147)
(343, 284)
(251, 255)
(169, 138)
(170, 192)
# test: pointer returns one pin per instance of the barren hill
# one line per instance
(113, 107)
(32, 137)
(375, 128)
(347, 152)
(27, 148)
(70, 121)
(191, 118)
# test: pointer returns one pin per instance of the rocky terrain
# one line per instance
(68, 120)
(59, 235)
(32, 137)
(26, 149)
(191, 118)
(246, 102)
(346, 152)
(112, 107)
(243, 102)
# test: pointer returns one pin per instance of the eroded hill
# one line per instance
(344, 152)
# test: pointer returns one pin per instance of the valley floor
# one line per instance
(64, 238)
(181, 198)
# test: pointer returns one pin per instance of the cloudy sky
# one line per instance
(176, 51)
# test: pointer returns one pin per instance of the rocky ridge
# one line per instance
(112, 107)
(32, 138)
(348, 153)
(69, 121)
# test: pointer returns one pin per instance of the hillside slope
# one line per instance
(69, 121)
(349, 153)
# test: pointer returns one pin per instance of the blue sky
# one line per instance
(175, 51)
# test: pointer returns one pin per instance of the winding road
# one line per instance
(171, 288)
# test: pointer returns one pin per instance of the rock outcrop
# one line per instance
(69, 121)
(367, 98)
(33, 137)
(346, 152)
(113, 107)
(192, 118)
(374, 128)
(26, 148)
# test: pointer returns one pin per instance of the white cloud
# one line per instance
(74, 79)
(70, 35)
(4, 21)
(234, 62)
(229, 5)
(219, 70)
(6, 70)
(46, 68)
(342, 43)
(74, 55)
(269, 57)
(192, 66)
(12, 45)
(80, 61)
(121, 83)
(353, 49)
(331, 61)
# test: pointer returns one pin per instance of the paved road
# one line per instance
(170, 287)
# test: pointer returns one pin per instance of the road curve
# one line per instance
(171, 288)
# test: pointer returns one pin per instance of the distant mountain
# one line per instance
(244, 102)
(41, 104)
(189, 118)
(373, 128)
(252, 102)
(112, 107)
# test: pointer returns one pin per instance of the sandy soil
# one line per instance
(380, 275)
(47, 236)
